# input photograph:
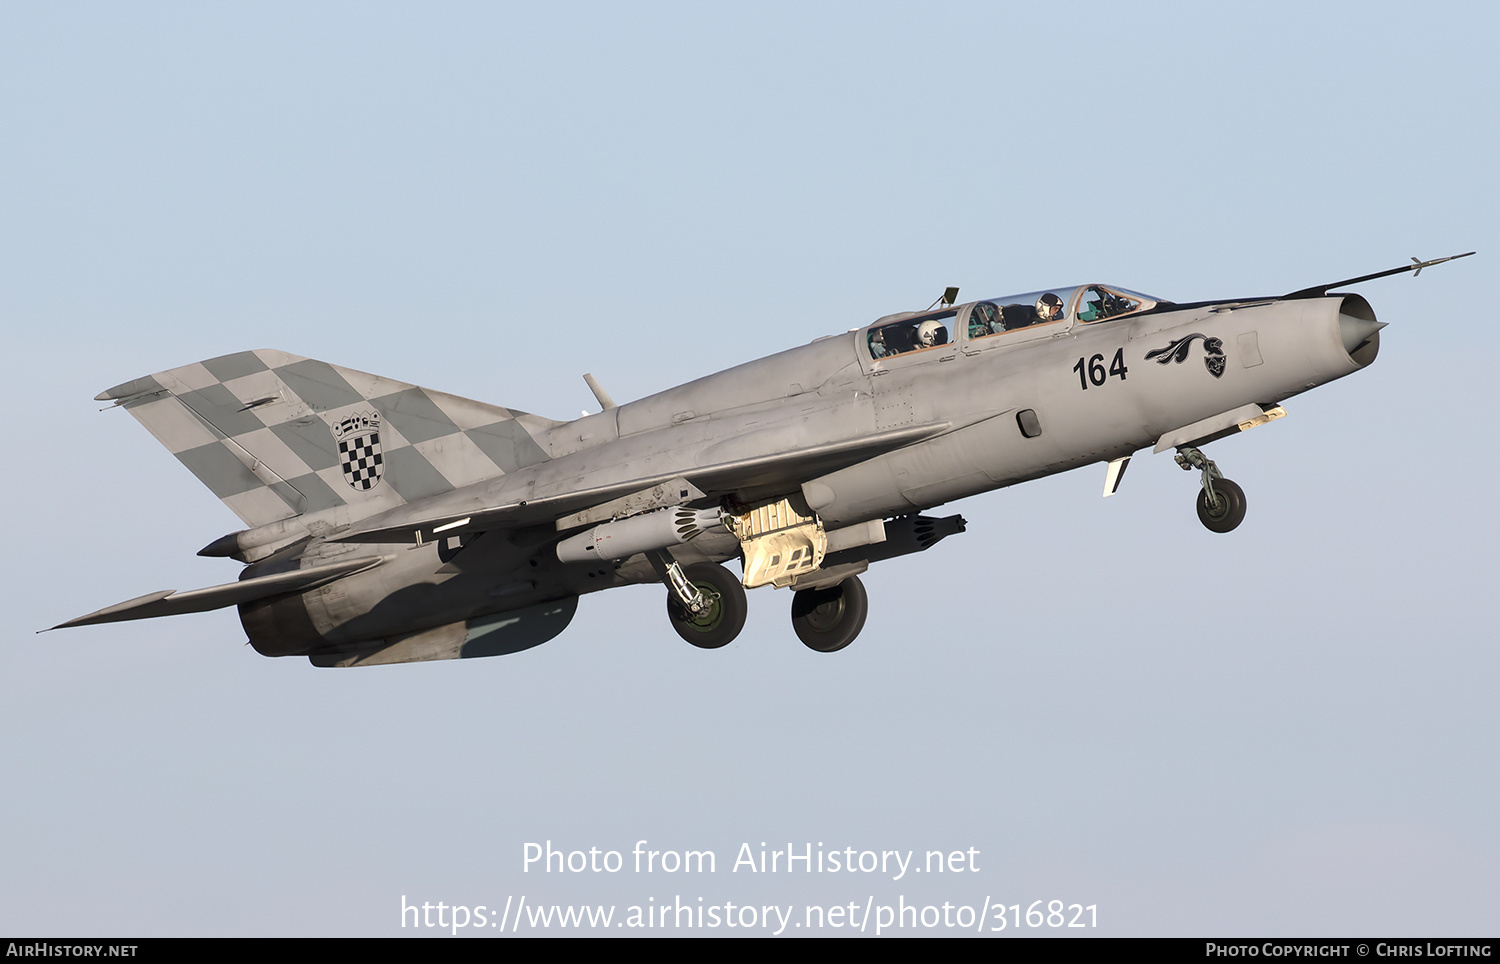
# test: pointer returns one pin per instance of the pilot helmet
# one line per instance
(929, 333)
(1049, 307)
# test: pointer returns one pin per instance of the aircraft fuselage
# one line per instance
(1092, 392)
(392, 523)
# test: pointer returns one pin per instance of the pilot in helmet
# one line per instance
(1049, 307)
(931, 333)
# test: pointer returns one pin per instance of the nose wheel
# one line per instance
(1226, 508)
(1221, 503)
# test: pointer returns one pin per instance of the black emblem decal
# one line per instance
(359, 449)
(1177, 351)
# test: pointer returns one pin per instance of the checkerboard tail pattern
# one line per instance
(360, 460)
(275, 435)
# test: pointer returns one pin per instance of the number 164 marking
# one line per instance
(1094, 370)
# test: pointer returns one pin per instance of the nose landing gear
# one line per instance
(1227, 508)
(1221, 503)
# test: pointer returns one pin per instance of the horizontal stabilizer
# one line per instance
(788, 468)
(169, 602)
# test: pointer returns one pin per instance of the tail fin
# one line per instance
(276, 436)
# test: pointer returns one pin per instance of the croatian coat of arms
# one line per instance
(358, 436)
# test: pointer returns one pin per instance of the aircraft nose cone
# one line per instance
(1356, 331)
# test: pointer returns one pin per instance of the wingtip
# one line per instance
(126, 390)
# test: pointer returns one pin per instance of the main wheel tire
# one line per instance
(725, 616)
(1227, 510)
(827, 620)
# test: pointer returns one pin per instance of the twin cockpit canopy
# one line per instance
(915, 331)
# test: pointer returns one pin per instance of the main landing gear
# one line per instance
(1221, 503)
(706, 604)
(827, 620)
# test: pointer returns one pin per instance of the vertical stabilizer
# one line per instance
(274, 435)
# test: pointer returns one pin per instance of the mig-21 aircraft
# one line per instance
(387, 523)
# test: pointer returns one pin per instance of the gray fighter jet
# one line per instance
(387, 523)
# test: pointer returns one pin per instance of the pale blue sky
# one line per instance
(1289, 730)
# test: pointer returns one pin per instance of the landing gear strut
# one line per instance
(827, 620)
(1221, 503)
(706, 603)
